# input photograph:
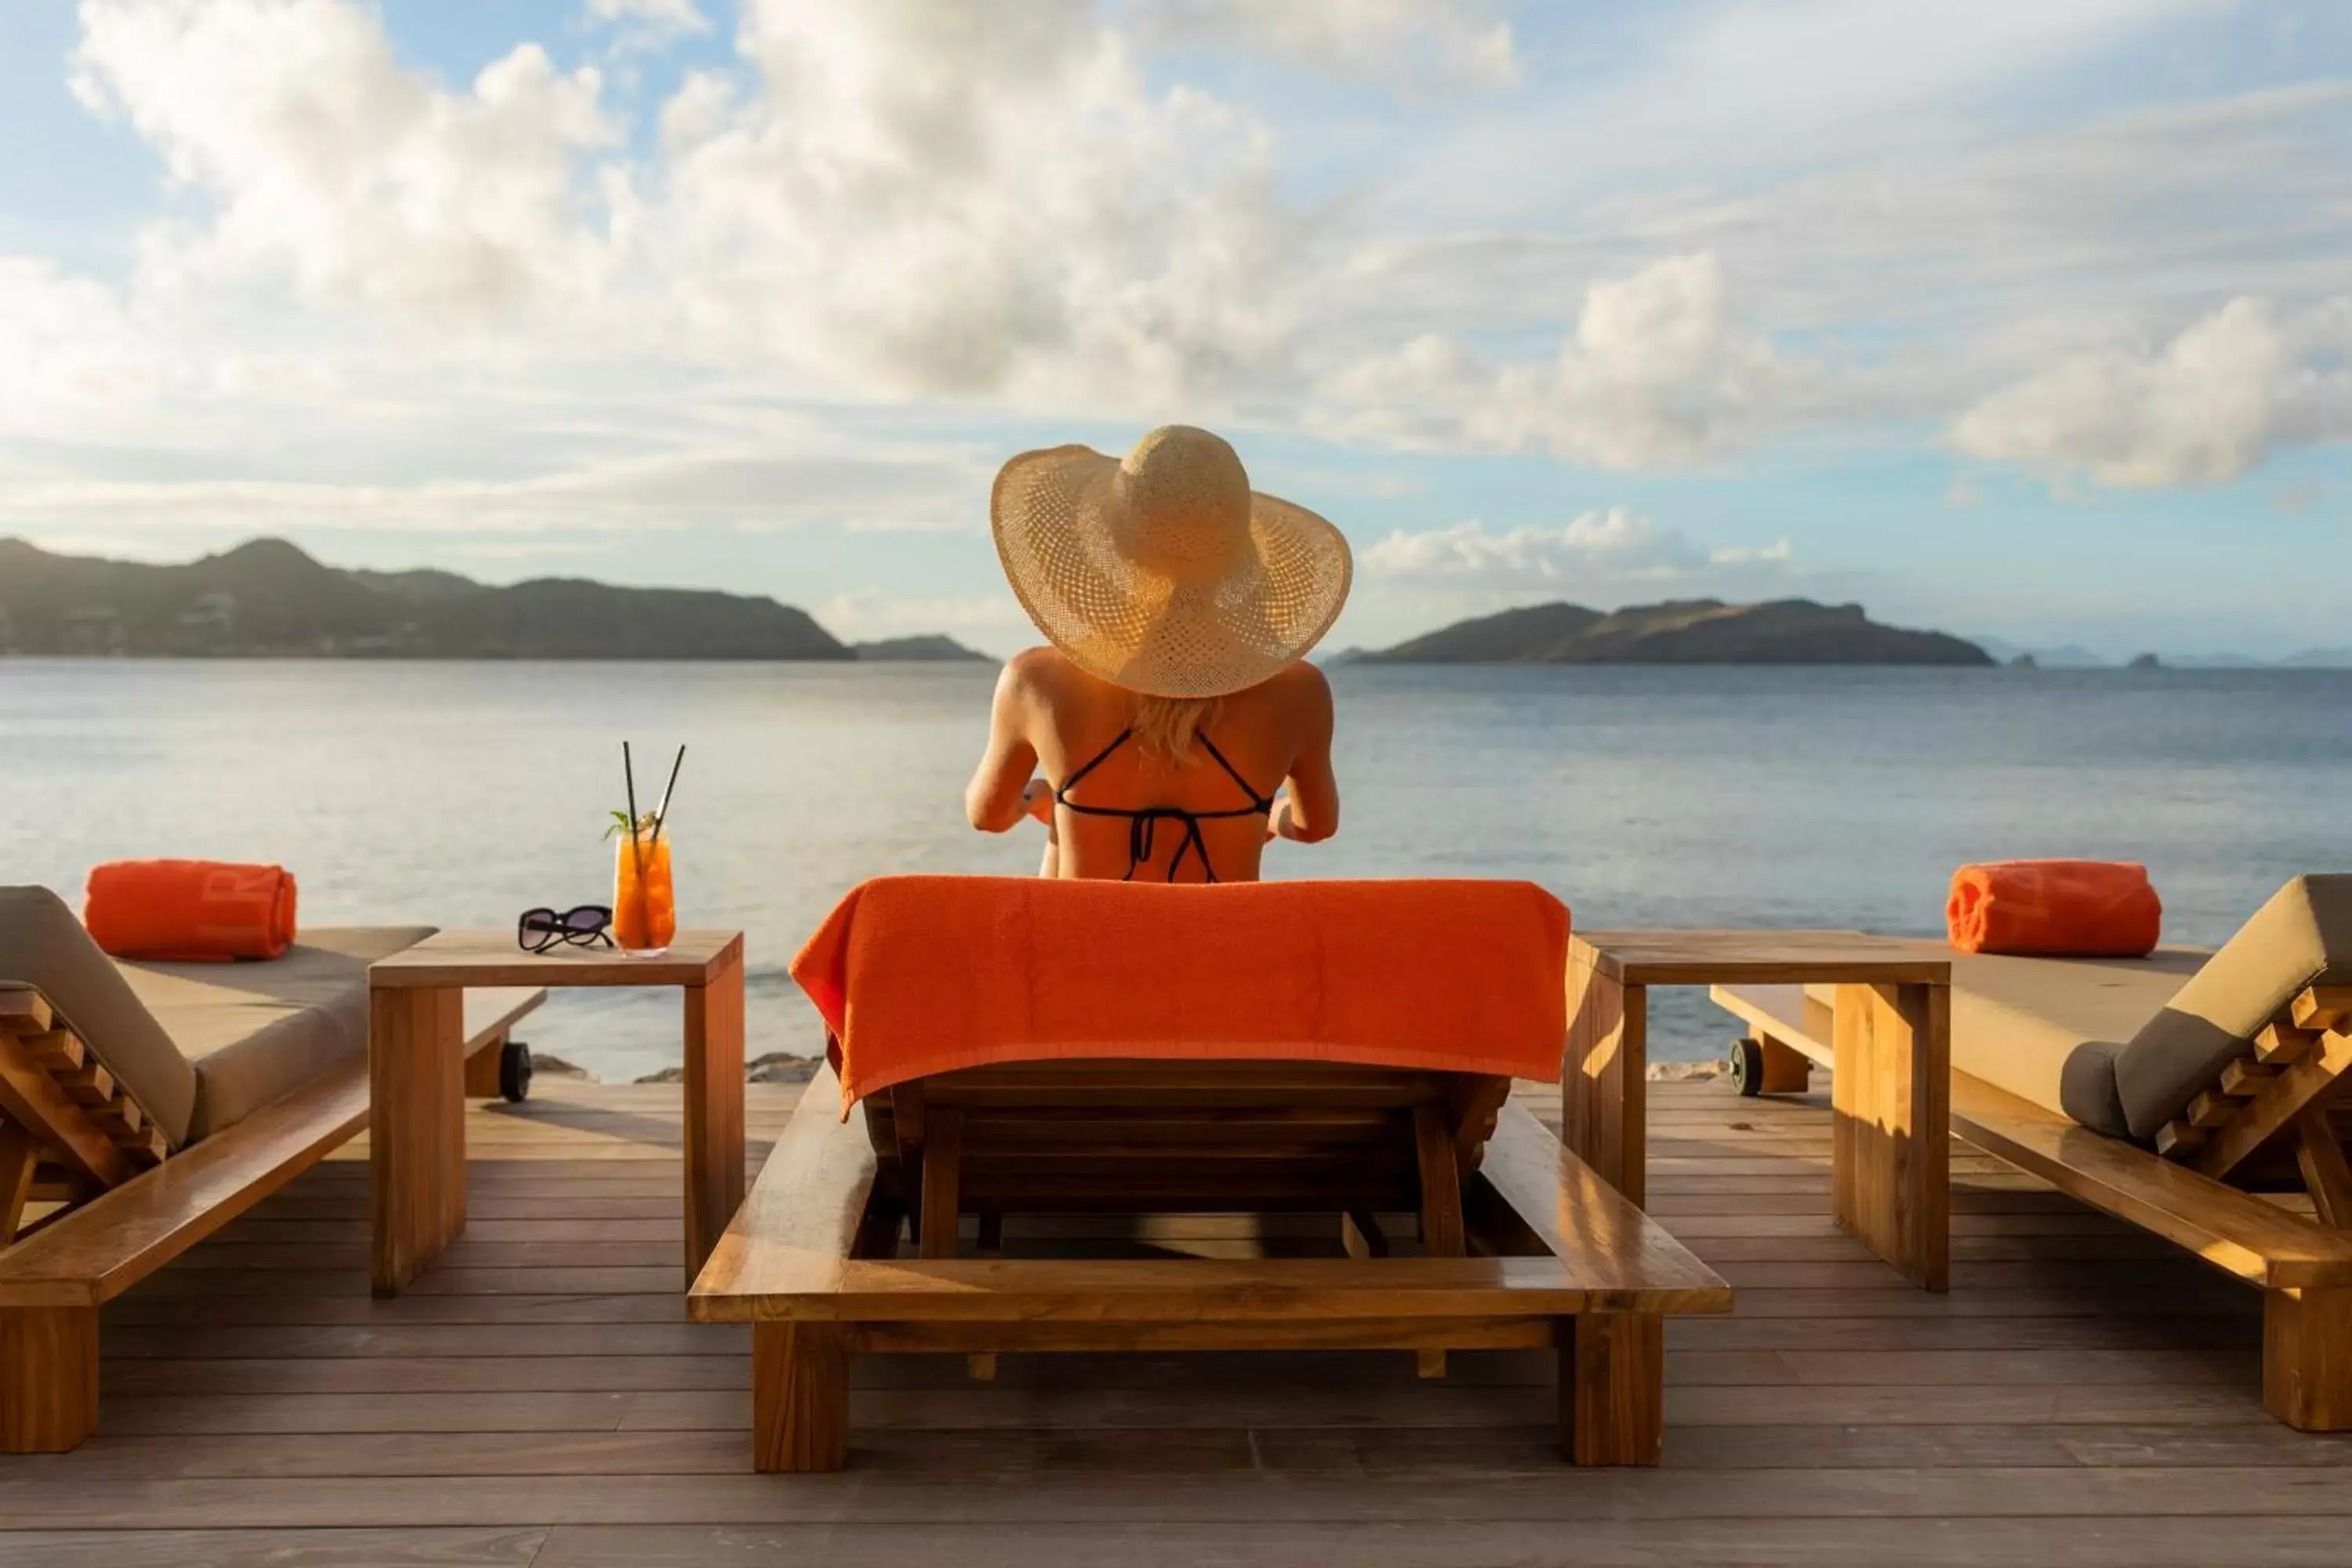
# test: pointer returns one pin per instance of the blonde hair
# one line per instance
(1165, 726)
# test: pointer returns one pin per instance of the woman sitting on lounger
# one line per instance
(1173, 704)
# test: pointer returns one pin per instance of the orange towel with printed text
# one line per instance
(917, 976)
(190, 910)
(2071, 909)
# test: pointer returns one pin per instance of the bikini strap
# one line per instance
(1257, 801)
(1062, 794)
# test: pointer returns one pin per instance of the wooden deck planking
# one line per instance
(540, 1399)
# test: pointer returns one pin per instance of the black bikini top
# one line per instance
(1144, 821)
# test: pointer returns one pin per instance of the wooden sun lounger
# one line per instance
(1526, 1248)
(2269, 1124)
(117, 1205)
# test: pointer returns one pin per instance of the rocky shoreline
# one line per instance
(776, 1067)
(781, 1067)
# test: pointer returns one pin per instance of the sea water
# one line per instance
(459, 794)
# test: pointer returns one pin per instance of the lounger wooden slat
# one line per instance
(2322, 1007)
(2245, 1130)
(2279, 1044)
(57, 1049)
(20, 1166)
(32, 1096)
(2240, 1079)
(2327, 1174)
(806, 1262)
(53, 1282)
(86, 1085)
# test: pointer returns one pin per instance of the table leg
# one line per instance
(1604, 1081)
(800, 1397)
(714, 1109)
(1891, 1148)
(416, 1129)
(1612, 1385)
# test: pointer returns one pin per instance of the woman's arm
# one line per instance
(999, 793)
(1311, 813)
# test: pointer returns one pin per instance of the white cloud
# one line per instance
(326, 161)
(992, 620)
(649, 24)
(1772, 554)
(2203, 409)
(69, 350)
(1741, 85)
(1655, 371)
(889, 198)
(1402, 41)
(925, 196)
(750, 491)
(1604, 549)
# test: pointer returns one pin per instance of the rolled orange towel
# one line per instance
(2071, 909)
(190, 910)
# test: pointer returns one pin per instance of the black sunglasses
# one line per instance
(539, 930)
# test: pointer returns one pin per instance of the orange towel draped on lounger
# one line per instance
(192, 910)
(917, 976)
(2080, 908)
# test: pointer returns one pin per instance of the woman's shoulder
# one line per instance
(1042, 667)
(1046, 676)
(1298, 684)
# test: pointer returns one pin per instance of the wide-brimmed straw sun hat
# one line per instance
(1163, 571)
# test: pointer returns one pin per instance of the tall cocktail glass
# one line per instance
(645, 908)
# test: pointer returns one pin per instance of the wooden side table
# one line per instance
(416, 1075)
(1891, 1092)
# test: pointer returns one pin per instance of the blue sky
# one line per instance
(2017, 319)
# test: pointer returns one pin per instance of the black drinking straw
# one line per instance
(636, 854)
(661, 812)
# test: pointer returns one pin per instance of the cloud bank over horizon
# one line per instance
(774, 285)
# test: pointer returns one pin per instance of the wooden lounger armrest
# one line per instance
(2257, 1241)
(1562, 1206)
(800, 1219)
(109, 1244)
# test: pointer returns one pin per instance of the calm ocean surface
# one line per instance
(459, 794)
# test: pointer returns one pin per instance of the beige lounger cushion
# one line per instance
(2047, 1029)
(2301, 937)
(257, 1031)
(43, 944)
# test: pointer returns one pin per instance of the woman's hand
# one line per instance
(1283, 822)
(1037, 800)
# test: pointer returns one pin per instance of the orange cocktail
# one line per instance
(645, 909)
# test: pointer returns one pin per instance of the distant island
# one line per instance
(929, 650)
(268, 599)
(2073, 655)
(1694, 631)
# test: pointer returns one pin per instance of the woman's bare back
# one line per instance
(1053, 717)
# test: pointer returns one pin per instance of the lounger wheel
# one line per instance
(514, 1071)
(1748, 1066)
